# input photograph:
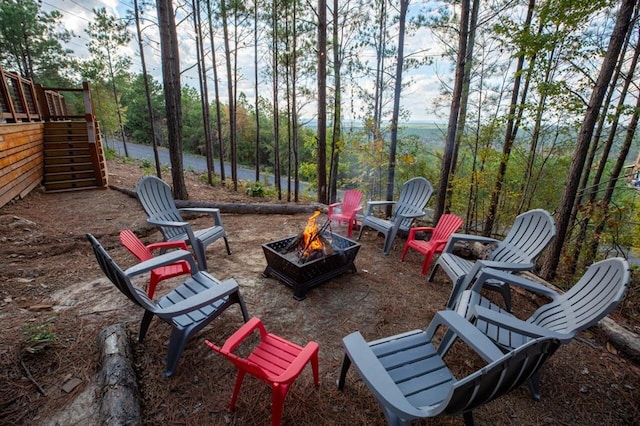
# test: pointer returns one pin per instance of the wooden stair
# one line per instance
(73, 156)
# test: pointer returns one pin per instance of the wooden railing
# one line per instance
(18, 99)
(43, 140)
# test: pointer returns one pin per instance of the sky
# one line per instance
(418, 98)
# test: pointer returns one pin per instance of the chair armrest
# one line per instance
(214, 212)
(199, 300)
(375, 375)
(168, 244)
(372, 204)
(162, 260)
(515, 324)
(489, 273)
(297, 365)
(413, 231)
(455, 237)
(332, 206)
(467, 332)
(242, 333)
(157, 222)
(413, 213)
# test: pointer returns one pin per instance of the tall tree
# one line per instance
(216, 87)
(402, 20)
(147, 90)
(616, 41)
(172, 93)
(322, 101)
(107, 35)
(454, 111)
(31, 42)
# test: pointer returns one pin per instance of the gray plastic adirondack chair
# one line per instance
(530, 234)
(188, 308)
(410, 379)
(595, 295)
(414, 196)
(155, 196)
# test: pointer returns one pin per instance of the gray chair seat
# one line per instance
(409, 377)
(187, 308)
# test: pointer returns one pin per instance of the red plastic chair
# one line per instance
(347, 209)
(274, 360)
(447, 225)
(142, 252)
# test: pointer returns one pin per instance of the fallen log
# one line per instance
(240, 208)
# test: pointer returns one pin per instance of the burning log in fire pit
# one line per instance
(311, 243)
(309, 258)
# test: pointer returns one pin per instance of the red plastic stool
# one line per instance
(274, 361)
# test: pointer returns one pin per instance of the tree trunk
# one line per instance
(322, 101)
(404, 6)
(618, 35)
(454, 112)
(145, 77)
(172, 93)
(217, 92)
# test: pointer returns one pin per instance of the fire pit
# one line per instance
(293, 266)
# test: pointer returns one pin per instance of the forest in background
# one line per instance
(539, 100)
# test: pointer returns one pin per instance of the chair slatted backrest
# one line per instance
(595, 295)
(352, 199)
(117, 276)
(157, 201)
(530, 234)
(415, 195)
(447, 225)
(500, 376)
(135, 246)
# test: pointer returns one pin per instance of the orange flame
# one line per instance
(309, 232)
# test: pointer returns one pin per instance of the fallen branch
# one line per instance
(240, 208)
(30, 377)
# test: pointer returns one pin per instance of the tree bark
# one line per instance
(172, 93)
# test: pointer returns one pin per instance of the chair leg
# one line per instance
(153, 282)
(534, 386)
(360, 232)
(177, 343)
(277, 402)
(346, 363)
(226, 243)
(144, 325)
(468, 418)
(236, 389)
(201, 255)
(315, 369)
(404, 251)
(427, 262)
(433, 273)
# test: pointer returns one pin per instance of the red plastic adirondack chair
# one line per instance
(142, 252)
(447, 225)
(346, 210)
(274, 360)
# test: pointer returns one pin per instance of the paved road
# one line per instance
(194, 162)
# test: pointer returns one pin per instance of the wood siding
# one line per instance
(21, 159)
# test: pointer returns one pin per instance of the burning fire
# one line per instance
(310, 242)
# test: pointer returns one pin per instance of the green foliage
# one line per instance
(110, 153)
(138, 126)
(255, 189)
(38, 337)
(31, 43)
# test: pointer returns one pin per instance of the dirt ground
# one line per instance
(54, 301)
